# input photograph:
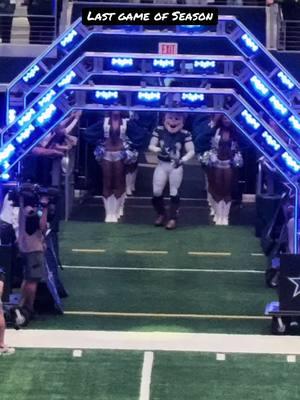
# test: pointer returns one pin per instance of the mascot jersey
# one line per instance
(171, 144)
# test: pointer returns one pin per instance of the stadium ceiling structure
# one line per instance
(258, 91)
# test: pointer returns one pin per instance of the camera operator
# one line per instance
(31, 243)
(4, 350)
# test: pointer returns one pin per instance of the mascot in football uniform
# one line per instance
(174, 147)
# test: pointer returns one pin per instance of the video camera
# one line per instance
(32, 194)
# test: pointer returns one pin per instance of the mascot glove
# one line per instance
(165, 151)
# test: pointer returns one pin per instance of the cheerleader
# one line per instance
(221, 163)
(113, 152)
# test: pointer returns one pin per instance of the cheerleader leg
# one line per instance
(228, 179)
(217, 193)
(119, 188)
(108, 196)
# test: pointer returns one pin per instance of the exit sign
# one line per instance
(167, 48)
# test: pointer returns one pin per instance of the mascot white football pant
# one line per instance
(163, 173)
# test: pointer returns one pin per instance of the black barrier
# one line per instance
(266, 207)
(289, 282)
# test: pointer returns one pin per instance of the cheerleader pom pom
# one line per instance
(130, 156)
(99, 153)
(238, 161)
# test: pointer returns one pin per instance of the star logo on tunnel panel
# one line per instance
(296, 282)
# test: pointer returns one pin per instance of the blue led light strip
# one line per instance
(163, 63)
(250, 120)
(249, 42)
(257, 83)
(259, 86)
(282, 74)
(107, 94)
(285, 80)
(121, 62)
(271, 141)
(247, 113)
(68, 38)
(149, 96)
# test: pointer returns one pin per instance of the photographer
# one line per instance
(31, 243)
(4, 350)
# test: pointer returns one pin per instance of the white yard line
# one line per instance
(190, 253)
(154, 341)
(165, 315)
(146, 375)
(147, 252)
(234, 271)
(88, 250)
(208, 253)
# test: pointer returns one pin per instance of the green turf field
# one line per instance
(56, 375)
(173, 291)
(117, 375)
(193, 280)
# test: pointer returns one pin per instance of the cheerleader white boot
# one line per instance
(110, 209)
(106, 202)
(214, 211)
(225, 212)
(218, 215)
(129, 184)
(120, 205)
(210, 204)
(115, 205)
(133, 180)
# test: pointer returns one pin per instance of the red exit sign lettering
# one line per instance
(168, 48)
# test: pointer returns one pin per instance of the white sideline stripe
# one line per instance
(237, 271)
(208, 253)
(89, 250)
(154, 341)
(147, 252)
(146, 375)
(257, 254)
